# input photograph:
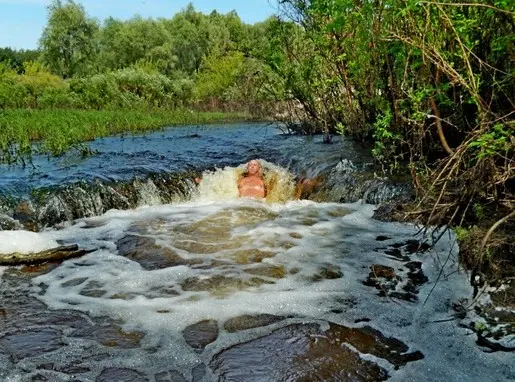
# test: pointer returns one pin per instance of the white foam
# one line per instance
(25, 242)
(302, 238)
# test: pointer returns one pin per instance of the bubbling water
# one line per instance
(24, 242)
(222, 184)
(175, 287)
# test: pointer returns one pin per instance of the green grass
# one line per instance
(24, 132)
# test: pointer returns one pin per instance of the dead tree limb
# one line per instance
(55, 254)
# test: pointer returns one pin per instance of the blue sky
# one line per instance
(22, 21)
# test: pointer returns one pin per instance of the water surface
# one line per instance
(219, 288)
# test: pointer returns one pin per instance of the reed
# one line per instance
(24, 132)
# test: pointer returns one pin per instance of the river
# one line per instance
(190, 283)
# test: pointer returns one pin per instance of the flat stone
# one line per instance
(221, 285)
(111, 374)
(201, 334)
(111, 336)
(31, 343)
(245, 322)
(300, 352)
(170, 376)
(149, 255)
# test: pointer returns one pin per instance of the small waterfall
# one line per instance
(222, 183)
(347, 184)
(344, 183)
(50, 206)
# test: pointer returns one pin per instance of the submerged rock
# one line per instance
(111, 336)
(201, 334)
(245, 322)
(305, 352)
(31, 343)
(150, 255)
(121, 374)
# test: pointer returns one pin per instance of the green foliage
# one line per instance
(130, 88)
(27, 89)
(494, 142)
(14, 59)
(480, 327)
(68, 43)
(479, 211)
(191, 58)
(218, 73)
(462, 233)
(386, 141)
(56, 131)
(125, 44)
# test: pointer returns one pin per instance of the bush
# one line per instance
(131, 88)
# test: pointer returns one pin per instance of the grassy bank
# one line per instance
(24, 132)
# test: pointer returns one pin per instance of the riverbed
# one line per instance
(201, 285)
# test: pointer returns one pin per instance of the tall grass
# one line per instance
(24, 132)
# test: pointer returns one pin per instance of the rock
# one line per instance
(304, 352)
(31, 343)
(120, 374)
(201, 334)
(245, 322)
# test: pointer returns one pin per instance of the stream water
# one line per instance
(190, 283)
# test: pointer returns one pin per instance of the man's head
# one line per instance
(254, 167)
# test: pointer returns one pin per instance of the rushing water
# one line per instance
(208, 287)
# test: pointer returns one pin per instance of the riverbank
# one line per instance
(53, 132)
(487, 252)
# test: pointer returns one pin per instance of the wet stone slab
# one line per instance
(201, 334)
(111, 336)
(170, 376)
(305, 352)
(72, 368)
(112, 374)
(245, 322)
(219, 285)
(31, 343)
(150, 255)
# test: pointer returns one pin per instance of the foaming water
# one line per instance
(191, 283)
(221, 184)
(178, 279)
(24, 242)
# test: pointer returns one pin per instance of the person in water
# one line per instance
(252, 183)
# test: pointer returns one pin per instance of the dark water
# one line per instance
(178, 150)
(187, 283)
(126, 172)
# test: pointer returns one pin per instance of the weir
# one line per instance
(190, 283)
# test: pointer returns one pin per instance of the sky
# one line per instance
(22, 21)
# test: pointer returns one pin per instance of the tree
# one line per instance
(68, 43)
(190, 38)
(218, 74)
(15, 58)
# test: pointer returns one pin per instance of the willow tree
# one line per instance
(68, 44)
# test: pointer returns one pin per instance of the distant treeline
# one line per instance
(213, 61)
